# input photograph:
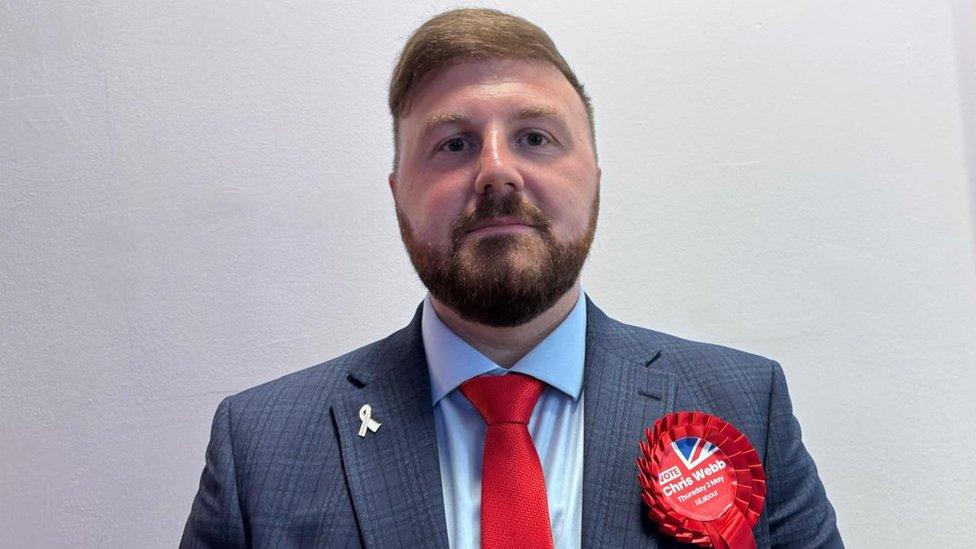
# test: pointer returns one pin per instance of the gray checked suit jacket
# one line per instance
(285, 466)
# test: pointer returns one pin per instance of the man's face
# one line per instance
(497, 188)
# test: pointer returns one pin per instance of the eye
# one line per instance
(535, 139)
(454, 144)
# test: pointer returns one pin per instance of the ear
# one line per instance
(391, 180)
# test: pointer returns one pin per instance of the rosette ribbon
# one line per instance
(702, 480)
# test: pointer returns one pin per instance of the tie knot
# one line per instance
(508, 398)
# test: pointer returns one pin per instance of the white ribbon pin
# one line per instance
(366, 415)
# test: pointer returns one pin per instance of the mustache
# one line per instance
(506, 205)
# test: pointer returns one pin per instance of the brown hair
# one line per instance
(468, 34)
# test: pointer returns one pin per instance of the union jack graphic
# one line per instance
(693, 451)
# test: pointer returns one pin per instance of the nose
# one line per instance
(498, 166)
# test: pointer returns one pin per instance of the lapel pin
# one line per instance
(366, 415)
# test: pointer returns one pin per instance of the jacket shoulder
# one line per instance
(710, 376)
(315, 385)
(701, 357)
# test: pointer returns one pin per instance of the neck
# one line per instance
(505, 346)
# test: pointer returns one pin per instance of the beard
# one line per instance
(500, 280)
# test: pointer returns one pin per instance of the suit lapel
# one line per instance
(625, 392)
(393, 474)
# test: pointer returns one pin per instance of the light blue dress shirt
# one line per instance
(556, 425)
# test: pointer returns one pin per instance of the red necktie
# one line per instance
(514, 512)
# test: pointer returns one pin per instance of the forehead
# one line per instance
(511, 86)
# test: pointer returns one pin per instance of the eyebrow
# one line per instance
(544, 111)
(444, 118)
(526, 113)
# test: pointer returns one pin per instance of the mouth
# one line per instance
(501, 225)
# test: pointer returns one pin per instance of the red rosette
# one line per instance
(702, 480)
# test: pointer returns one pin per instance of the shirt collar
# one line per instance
(557, 359)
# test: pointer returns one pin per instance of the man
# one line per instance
(507, 413)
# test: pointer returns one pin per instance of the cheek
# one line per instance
(578, 212)
(432, 215)
(570, 206)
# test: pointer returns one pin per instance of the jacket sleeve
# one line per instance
(800, 515)
(215, 519)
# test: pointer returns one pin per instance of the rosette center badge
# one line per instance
(697, 478)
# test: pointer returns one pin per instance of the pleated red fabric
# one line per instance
(514, 512)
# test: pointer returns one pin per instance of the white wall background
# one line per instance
(193, 200)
